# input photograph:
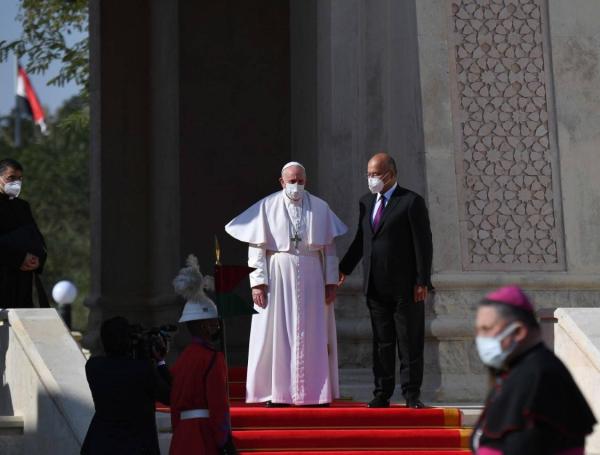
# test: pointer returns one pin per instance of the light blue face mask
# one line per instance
(294, 191)
(13, 189)
(490, 348)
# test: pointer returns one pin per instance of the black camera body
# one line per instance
(145, 341)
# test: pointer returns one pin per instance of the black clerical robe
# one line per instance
(534, 408)
(19, 235)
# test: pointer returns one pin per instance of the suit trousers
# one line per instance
(397, 323)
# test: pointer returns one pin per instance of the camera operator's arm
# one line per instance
(162, 388)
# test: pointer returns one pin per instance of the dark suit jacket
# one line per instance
(398, 255)
(125, 391)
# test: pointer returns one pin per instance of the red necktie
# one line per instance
(379, 212)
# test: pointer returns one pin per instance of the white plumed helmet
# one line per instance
(195, 311)
(190, 284)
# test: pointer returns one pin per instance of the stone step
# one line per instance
(11, 425)
(469, 415)
(11, 435)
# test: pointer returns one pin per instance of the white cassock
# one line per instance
(292, 354)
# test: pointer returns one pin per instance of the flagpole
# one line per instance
(17, 106)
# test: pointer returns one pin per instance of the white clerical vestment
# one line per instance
(292, 354)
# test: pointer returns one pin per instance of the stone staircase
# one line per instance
(45, 402)
(252, 423)
(11, 434)
(467, 417)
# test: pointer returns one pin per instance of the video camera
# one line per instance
(144, 341)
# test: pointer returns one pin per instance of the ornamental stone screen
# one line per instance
(506, 153)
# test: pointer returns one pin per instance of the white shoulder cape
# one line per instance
(266, 223)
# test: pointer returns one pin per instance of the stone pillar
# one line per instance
(125, 199)
(164, 189)
(499, 162)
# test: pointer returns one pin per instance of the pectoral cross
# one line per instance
(296, 239)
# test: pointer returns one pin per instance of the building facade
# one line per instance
(488, 106)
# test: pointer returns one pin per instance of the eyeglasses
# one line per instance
(12, 178)
(376, 174)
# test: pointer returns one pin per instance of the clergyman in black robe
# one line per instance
(22, 246)
(534, 406)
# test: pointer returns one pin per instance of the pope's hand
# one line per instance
(259, 295)
(330, 291)
(342, 279)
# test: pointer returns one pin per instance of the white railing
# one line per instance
(43, 379)
(574, 333)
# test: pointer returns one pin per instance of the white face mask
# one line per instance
(490, 348)
(294, 191)
(375, 184)
(12, 189)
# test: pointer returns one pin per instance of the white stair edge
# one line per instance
(11, 425)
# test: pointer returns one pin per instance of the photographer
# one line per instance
(124, 390)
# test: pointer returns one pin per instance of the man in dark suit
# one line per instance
(394, 241)
(125, 391)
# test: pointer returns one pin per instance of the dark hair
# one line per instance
(10, 163)
(115, 336)
(511, 313)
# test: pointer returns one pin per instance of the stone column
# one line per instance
(134, 165)
(164, 189)
(499, 163)
(119, 105)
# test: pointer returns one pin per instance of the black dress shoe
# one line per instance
(414, 403)
(270, 404)
(379, 402)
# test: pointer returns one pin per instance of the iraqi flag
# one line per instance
(28, 101)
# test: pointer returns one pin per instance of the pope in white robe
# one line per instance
(292, 356)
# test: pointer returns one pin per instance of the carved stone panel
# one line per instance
(506, 154)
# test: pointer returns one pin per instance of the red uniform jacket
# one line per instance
(199, 382)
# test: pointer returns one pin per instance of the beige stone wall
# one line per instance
(509, 94)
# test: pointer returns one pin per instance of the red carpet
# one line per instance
(237, 374)
(363, 439)
(344, 428)
(358, 452)
(237, 390)
(343, 415)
